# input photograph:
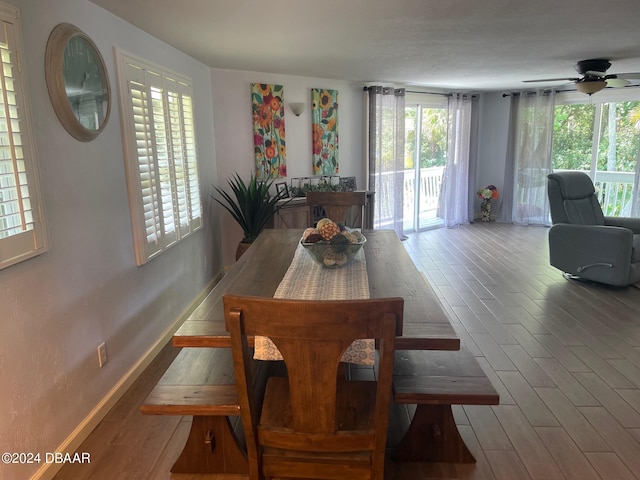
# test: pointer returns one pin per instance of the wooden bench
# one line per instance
(200, 383)
(433, 381)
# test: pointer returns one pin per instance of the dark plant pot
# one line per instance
(242, 247)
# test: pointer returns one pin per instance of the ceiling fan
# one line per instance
(594, 76)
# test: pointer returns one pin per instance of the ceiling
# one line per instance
(468, 45)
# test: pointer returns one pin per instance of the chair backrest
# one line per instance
(312, 336)
(572, 199)
(337, 205)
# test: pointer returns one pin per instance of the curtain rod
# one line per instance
(430, 93)
(472, 95)
(517, 94)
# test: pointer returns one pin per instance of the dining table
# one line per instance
(277, 265)
(390, 272)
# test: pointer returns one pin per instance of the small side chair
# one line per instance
(341, 207)
(314, 423)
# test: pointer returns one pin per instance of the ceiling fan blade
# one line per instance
(617, 82)
(552, 80)
(630, 76)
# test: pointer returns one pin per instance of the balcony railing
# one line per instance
(614, 191)
(430, 182)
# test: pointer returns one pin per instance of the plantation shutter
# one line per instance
(183, 155)
(22, 229)
(160, 153)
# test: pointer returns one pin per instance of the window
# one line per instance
(22, 224)
(160, 155)
(601, 137)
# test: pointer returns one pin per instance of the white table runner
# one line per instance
(307, 280)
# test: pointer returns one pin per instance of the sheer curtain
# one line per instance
(635, 206)
(456, 207)
(386, 155)
(529, 159)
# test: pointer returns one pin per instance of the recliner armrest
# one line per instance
(632, 224)
(606, 243)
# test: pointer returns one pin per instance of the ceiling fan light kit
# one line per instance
(590, 86)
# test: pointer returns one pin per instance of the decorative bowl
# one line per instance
(333, 256)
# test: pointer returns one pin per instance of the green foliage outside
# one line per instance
(574, 134)
(618, 149)
(617, 135)
(572, 137)
(433, 137)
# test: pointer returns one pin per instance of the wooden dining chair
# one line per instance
(337, 206)
(314, 423)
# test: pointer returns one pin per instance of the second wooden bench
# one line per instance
(433, 381)
(200, 383)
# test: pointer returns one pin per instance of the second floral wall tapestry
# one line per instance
(324, 124)
(269, 141)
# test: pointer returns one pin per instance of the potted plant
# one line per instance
(251, 205)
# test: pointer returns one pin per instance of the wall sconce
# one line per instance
(297, 108)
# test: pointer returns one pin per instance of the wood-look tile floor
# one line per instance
(564, 356)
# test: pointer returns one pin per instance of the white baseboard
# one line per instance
(48, 470)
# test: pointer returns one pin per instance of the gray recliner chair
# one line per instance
(582, 241)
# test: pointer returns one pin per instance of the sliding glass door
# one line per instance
(425, 158)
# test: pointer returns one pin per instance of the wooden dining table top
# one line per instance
(390, 272)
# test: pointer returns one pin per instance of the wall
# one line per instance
(234, 137)
(57, 308)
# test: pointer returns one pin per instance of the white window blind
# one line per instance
(160, 155)
(22, 228)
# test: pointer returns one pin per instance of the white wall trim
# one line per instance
(48, 470)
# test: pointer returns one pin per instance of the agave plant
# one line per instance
(251, 205)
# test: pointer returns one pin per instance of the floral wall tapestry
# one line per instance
(270, 146)
(324, 125)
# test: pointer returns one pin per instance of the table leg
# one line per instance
(433, 436)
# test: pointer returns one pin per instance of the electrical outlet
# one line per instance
(102, 354)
